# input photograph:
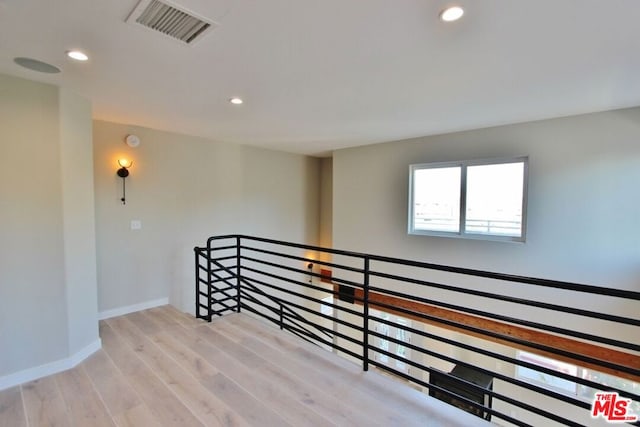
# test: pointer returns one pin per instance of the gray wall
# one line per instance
(46, 226)
(326, 203)
(583, 210)
(76, 154)
(185, 189)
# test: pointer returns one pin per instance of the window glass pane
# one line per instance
(327, 309)
(494, 199)
(588, 393)
(436, 199)
(544, 379)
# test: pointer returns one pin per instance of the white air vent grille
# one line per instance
(170, 20)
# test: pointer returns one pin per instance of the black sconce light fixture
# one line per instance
(133, 142)
(310, 268)
(123, 173)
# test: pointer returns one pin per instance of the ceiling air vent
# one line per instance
(170, 20)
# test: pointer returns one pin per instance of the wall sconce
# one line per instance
(310, 268)
(123, 173)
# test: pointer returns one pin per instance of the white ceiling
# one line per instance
(319, 75)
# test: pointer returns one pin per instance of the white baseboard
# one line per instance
(120, 311)
(51, 368)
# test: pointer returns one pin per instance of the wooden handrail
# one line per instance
(530, 335)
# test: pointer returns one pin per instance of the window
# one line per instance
(542, 378)
(398, 332)
(480, 199)
(568, 387)
(327, 309)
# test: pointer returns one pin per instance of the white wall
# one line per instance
(185, 189)
(46, 226)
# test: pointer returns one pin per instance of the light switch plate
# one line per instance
(136, 224)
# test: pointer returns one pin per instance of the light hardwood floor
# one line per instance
(161, 367)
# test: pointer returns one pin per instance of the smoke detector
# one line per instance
(171, 20)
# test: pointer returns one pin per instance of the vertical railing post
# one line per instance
(281, 318)
(365, 316)
(238, 281)
(209, 282)
(197, 275)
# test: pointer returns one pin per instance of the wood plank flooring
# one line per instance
(161, 367)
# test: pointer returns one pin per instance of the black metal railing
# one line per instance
(520, 350)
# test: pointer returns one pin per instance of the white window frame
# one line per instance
(461, 233)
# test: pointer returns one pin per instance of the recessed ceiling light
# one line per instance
(451, 14)
(235, 100)
(77, 55)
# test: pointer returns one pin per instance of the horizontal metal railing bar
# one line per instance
(289, 244)
(506, 298)
(226, 307)
(223, 300)
(223, 290)
(303, 259)
(204, 249)
(227, 270)
(220, 259)
(217, 270)
(492, 393)
(525, 343)
(530, 335)
(272, 320)
(278, 310)
(225, 280)
(331, 344)
(597, 362)
(415, 364)
(498, 356)
(222, 248)
(248, 282)
(300, 331)
(499, 328)
(280, 306)
(272, 298)
(293, 269)
(514, 381)
(324, 316)
(295, 321)
(449, 393)
(599, 290)
(307, 297)
(328, 332)
(498, 375)
(222, 280)
(508, 319)
(578, 287)
(275, 310)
